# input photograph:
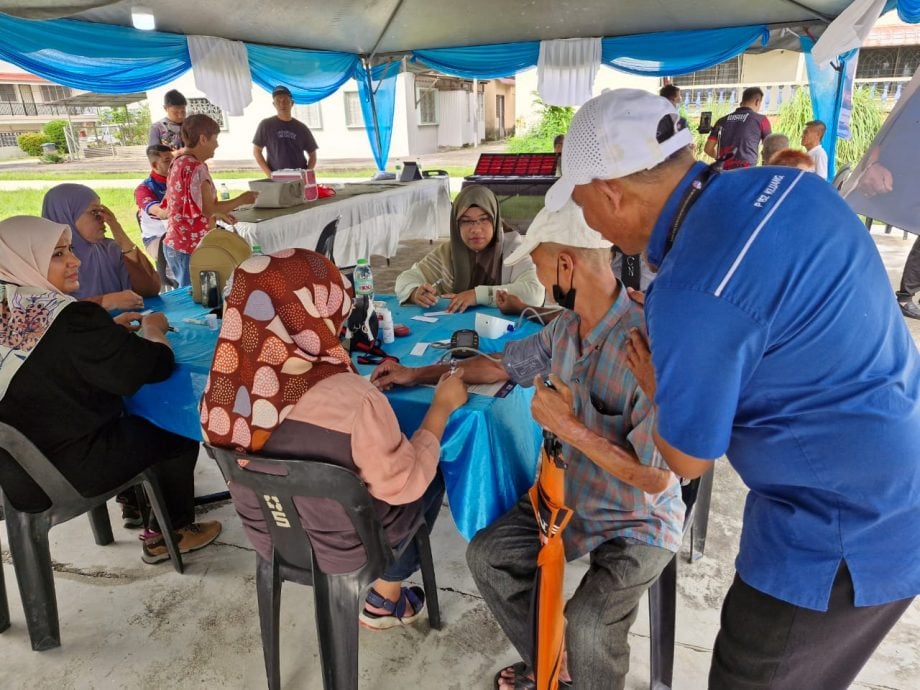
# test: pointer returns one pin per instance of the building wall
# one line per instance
(773, 66)
(455, 118)
(492, 90)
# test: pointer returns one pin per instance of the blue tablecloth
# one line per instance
(490, 447)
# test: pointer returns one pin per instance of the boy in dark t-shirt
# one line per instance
(166, 132)
(283, 138)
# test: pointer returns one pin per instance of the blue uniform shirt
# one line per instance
(776, 339)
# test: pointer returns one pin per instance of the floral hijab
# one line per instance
(29, 303)
(280, 336)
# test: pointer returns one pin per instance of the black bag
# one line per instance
(361, 332)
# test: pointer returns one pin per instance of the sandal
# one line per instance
(414, 596)
(521, 680)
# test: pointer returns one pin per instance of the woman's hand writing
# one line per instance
(424, 295)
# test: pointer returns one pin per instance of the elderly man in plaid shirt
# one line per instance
(628, 512)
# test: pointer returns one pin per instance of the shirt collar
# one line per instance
(154, 175)
(659, 236)
(603, 327)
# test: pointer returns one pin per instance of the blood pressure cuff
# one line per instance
(524, 359)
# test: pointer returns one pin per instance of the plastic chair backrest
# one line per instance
(325, 245)
(306, 478)
(841, 177)
(15, 447)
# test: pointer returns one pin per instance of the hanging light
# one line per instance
(142, 18)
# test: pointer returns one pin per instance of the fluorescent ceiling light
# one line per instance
(142, 18)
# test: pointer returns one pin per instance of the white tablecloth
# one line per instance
(368, 223)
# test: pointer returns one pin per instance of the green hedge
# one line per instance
(31, 142)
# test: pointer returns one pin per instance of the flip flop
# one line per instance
(521, 681)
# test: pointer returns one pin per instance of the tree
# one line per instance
(54, 130)
(134, 123)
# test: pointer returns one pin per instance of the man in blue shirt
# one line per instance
(774, 340)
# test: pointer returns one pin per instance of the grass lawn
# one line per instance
(28, 202)
(61, 173)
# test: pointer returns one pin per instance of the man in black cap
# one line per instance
(284, 139)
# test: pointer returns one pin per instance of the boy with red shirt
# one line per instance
(151, 208)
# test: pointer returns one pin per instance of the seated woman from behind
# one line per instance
(469, 269)
(64, 367)
(282, 385)
(115, 272)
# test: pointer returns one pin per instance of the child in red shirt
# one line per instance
(191, 197)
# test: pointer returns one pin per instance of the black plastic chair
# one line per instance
(4, 605)
(337, 597)
(28, 532)
(662, 596)
(325, 245)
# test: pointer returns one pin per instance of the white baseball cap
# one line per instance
(614, 135)
(566, 226)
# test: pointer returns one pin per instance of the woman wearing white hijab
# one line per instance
(64, 367)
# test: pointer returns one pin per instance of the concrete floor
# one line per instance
(125, 624)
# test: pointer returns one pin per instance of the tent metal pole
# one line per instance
(386, 27)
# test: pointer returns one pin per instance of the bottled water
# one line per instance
(364, 279)
(256, 250)
(224, 192)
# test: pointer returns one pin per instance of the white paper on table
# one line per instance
(419, 349)
(437, 313)
(426, 319)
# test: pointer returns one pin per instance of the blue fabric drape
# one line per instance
(908, 10)
(672, 53)
(382, 88)
(481, 62)
(311, 75)
(98, 57)
(825, 85)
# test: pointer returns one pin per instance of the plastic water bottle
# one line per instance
(256, 250)
(224, 192)
(364, 279)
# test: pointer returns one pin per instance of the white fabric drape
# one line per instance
(566, 70)
(848, 30)
(221, 70)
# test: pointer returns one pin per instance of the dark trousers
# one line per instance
(408, 563)
(130, 445)
(910, 277)
(768, 643)
(503, 561)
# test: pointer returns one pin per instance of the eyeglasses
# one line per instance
(468, 223)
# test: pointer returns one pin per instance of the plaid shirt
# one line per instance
(608, 400)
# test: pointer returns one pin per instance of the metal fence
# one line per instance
(41, 109)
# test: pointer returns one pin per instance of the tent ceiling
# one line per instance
(356, 26)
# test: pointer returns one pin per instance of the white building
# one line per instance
(432, 111)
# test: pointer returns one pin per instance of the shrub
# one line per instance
(54, 130)
(865, 121)
(31, 142)
(554, 120)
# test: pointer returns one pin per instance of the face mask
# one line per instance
(566, 299)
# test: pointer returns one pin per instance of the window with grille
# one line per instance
(203, 106)
(427, 106)
(888, 63)
(9, 138)
(353, 117)
(311, 115)
(54, 93)
(728, 72)
(8, 93)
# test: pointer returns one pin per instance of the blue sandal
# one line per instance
(408, 596)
